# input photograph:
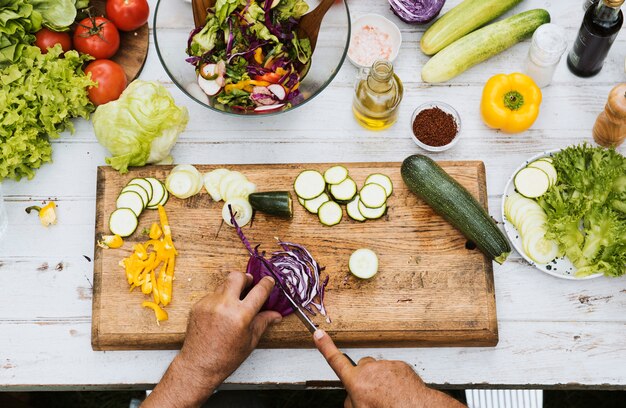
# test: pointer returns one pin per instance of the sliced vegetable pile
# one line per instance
(248, 55)
(586, 209)
(30, 108)
(151, 267)
(323, 194)
(136, 196)
(234, 188)
(295, 269)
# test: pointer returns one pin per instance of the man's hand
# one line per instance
(380, 384)
(223, 330)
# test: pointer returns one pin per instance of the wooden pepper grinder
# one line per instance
(610, 127)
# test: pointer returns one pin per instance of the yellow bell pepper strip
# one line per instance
(47, 213)
(510, 102)
(158, 312)
(258, 55)
(155, 289)
(245, 84)
(155, 231)
(111, 241)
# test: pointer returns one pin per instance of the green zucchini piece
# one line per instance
(448, 198)
(278, 203)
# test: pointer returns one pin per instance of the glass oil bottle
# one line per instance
(377, 96)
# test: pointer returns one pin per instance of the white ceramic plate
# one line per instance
(560, 267)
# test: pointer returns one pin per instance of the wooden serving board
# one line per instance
(430, 289)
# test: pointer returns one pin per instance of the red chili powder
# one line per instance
(434, 127)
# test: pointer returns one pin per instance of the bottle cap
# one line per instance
(614, 3)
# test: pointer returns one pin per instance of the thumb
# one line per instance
(261, 322)
(335, 358)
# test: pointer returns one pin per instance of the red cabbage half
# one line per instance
(297, 272)
(416, 11)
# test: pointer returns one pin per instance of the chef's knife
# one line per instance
(298, 310)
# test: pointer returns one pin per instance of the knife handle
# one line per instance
(350, 360)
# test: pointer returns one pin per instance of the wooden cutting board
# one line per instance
(431, 290)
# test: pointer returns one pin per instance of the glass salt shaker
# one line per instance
(547, 46)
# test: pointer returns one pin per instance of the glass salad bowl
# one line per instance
(173, 23)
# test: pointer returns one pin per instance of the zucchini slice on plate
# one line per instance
(309, 184)
(335, 174)
(531, 182)
(548, 168)
(344, 191)
(330, 213)
(130, 200)
(123, 222)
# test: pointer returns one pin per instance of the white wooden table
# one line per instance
(553, 333)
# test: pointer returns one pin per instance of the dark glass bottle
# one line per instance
(597, 33)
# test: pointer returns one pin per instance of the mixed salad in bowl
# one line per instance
(248, 55)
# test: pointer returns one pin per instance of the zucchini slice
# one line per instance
(130, 200)
(363, 263)
(143, 183)
(538, 247)
(313, 205)
(158, 192)
(531, 182)
(353, 210)
(373, 195)
(231, 177)
(382, 180)
(278, 203)
(301, 201)
(123, 222)
(335, 174)
(309, 184)
(371, 213)
(241, 209)
(212, 181)
(181, 184)
(139, 190)
(344, 191)
(163, 201)
(197, 176)
(548, 168)
(330, 213)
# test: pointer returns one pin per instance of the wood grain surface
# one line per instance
(134, 45)
(430, 290)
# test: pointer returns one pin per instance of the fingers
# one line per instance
(335, 358)
(258, 294)
(261, 322)
(235, 283)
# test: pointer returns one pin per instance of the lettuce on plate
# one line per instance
(587, 209)
(141, 127)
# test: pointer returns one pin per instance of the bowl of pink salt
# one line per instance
(373, 37)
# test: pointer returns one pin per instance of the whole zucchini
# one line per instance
(462, 19)
(448, 198)
(482, 44)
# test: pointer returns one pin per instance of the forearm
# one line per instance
(180, 387)
(433, 398)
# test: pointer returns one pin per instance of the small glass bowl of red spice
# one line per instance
(436, 126)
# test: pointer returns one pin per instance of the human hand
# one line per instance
(380, 384)
(223, 330)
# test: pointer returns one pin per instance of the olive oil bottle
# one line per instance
(377, 96)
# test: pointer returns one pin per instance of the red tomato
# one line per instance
(111, 81)
(270, 77)
(46, 38)
(97, 37)
(128, 15)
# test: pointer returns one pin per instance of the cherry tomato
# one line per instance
(111, 81)
(128, 15)
(97, 37)
(46, 38)
(270, 77)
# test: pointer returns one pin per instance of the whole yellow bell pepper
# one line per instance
(510, 102)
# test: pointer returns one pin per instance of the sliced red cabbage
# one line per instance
(416, 11)
(296, 270)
